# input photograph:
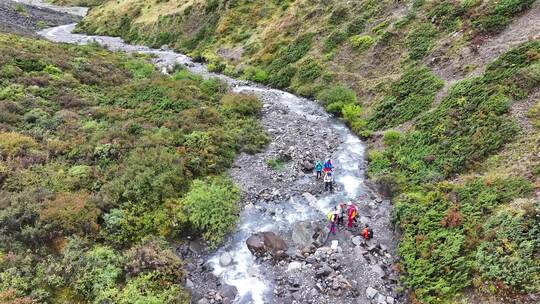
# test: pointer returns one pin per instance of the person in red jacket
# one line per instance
(352, 212)
(367, 233)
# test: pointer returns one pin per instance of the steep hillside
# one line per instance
(103, 163)
(447, 93)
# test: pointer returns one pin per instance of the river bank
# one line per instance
(281, 195)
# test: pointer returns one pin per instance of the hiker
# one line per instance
(328, 166)
(342, 210)
(333, 218)
(318, 169)
(352, 212)
(367, 233)
(328, 182)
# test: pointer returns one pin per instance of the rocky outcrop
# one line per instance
(305, 233)
(264, 243)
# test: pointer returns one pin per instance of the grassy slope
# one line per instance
(463, 168)
(102, 160)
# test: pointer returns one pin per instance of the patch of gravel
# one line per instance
(23, 19)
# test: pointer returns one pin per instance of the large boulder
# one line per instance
(262, 243)
(302, 234)
(228, 292)
(306, 233)
(255, 244)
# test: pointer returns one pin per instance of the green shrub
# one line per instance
(298, 49)
(337, 94)
(411, 95)
(277, 164)
(362, 42)
(140, 69)
(282, 79)
(446, 16)
(338, 15)
(391, 137)
(351, 112)
(421, 40)
(438, 252)
(500, 15)
(211, 206)
(334, 40)
(241, 104)
(184, 74)
(255, 74)
(147, 288)
(216, 67)
(15, 144)
(309, 71)
(357, 26)
(294, 52)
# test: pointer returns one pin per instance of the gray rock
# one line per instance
(307, 166)
(390, 300)
(357, 240)
(381, 299)
(228, 292)
(189, 284)
(371, 292)
(302, 234)
(203, 301)
(378, 270)
(294, 266)
(363, 221)
(225, 259)
(324, 271)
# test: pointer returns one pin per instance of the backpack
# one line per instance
(330, 215)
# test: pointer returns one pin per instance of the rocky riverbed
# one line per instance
(291, 259)
(20, 17)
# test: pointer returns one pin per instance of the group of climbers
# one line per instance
(336, 218)
(325, 171)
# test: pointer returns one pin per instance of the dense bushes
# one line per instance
(411, 95)
(462, 233)
(470, 123)
(94, 149)
(333, 99)
(210, 207)
(421, 40)
(443, 245)
(362, 42)
(499, 14)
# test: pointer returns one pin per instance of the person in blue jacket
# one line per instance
(328, 166)
(318, 169)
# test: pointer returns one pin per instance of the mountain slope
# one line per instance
(98, 152)
(445, 91)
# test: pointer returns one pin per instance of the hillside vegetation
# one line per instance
(103, 163)
(446, 92)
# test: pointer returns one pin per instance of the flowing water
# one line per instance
(246, 274)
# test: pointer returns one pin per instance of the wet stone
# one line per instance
(371, 292)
